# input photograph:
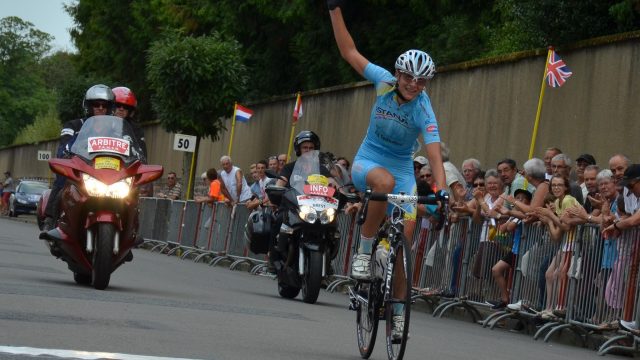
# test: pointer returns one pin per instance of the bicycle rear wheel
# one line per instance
(401, 295)
(368, 315)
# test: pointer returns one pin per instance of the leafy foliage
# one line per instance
(284, 46)
(194, 80)
(22, 94)
(46, 127)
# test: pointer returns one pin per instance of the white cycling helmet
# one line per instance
(416, 63)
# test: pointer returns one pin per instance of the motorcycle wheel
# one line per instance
(312, 277)
(102, 254)
(286, 291)
(82, 279)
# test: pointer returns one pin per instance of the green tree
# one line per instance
(46, 127)
(195, 80)
(112, 38)
(23, 93)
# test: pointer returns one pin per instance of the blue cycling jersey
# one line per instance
(394, 128)
(392, 134)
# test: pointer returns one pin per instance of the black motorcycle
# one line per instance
(308, 238)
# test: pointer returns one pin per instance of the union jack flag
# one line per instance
(557, 71)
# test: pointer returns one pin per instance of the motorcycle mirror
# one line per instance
(148, 173)
(62, 167)
(271, 174)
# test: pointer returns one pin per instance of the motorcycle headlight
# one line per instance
(308, 214)
(95, 187)
(327, 216)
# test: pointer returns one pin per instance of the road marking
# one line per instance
(77, 354)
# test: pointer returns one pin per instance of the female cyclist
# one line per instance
(401, 113)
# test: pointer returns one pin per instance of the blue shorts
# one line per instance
(401, 171)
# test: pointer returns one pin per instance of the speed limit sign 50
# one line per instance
(183, 142)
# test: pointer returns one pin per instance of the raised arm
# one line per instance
(347, 47)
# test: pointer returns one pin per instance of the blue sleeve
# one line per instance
(379, 77)
(427, 120)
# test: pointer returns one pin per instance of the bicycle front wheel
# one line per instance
(398, 307)
(368, 315)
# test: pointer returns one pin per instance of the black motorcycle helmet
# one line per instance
(305, 135)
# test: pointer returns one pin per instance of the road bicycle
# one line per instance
(374, 299)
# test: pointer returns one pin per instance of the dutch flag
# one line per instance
(243, 114)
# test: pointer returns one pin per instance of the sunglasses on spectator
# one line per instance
(475, 185)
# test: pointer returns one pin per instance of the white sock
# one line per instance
(365, 245)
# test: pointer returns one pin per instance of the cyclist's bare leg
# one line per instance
(379, 180)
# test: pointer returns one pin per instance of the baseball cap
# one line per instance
(588, 158)
(632, 173)
(421, 160)
(523, 191)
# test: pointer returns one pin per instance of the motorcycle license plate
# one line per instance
(107, 163)
(317, 202)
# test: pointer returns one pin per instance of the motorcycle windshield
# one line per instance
(307, 169)
(106, 135)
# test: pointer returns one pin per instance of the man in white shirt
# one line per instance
(234, 181)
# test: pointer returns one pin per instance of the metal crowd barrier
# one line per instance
(584, 282)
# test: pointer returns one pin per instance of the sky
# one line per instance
(46, 15)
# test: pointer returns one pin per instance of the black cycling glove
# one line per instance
(333, 4)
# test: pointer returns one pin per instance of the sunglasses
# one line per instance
(99, 105)
(123, 106)
(420, 81)
(475, 185)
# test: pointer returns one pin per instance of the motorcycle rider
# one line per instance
(303, 143)
(98, 100)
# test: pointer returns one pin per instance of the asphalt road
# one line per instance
(161, 306)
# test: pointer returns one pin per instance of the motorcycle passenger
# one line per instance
(125, 108)
(402, 112)
(98, 100)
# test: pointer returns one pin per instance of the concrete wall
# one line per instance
(485, 111)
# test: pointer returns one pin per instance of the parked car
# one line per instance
(25, 199)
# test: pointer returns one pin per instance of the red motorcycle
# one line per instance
(98, 223)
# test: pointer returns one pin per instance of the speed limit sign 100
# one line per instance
(183, 142)
(44, 155)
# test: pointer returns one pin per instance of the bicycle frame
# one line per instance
(380, 290)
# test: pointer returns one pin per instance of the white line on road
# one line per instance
(77, 354)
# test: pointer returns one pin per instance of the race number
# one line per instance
(183, 142)
(44, 155)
